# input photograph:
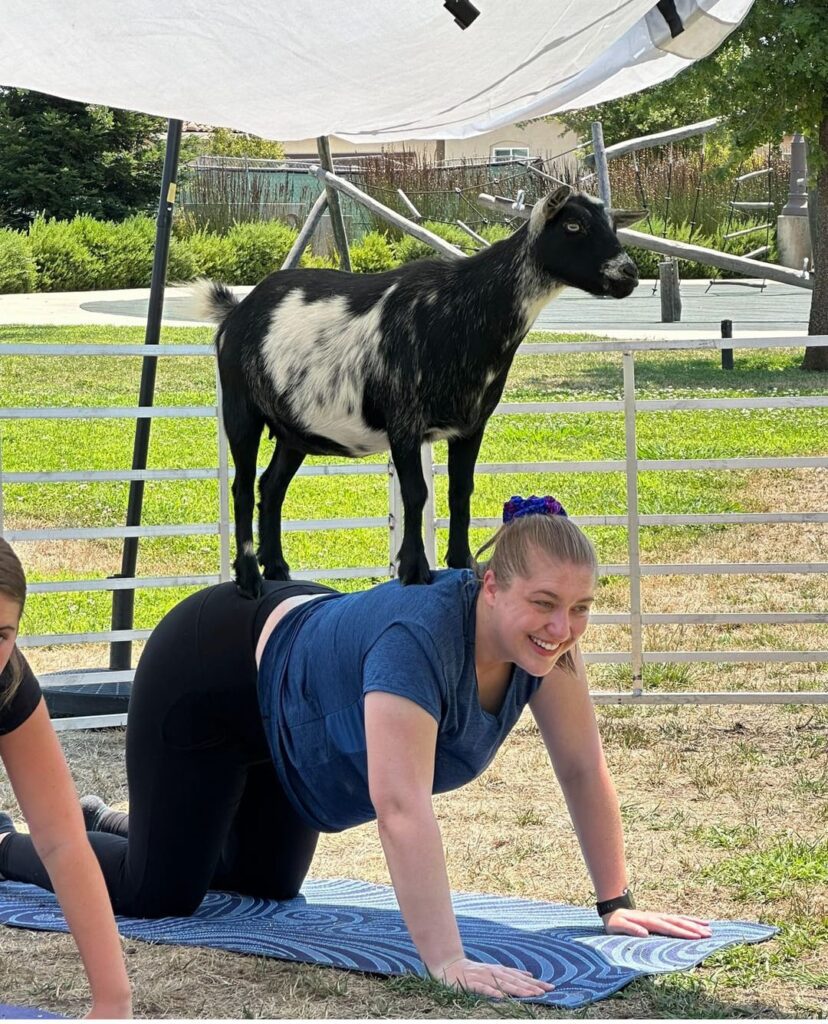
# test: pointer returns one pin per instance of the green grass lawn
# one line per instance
(186, 444)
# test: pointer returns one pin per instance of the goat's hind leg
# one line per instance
(243, 435)
(272, 488)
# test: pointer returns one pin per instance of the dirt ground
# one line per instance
(699, 787)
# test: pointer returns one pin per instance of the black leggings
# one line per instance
(206, 810)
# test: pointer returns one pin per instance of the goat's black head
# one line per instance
(574, 240)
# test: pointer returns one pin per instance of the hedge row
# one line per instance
(85, 253)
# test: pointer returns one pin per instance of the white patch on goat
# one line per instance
(614, 268)
(535, 290)
(247, 548)
(336, 350)
(592, 199)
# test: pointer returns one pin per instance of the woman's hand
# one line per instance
(643, 922)
(490, 979)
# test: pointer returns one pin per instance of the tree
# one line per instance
(60, 158)
(223, 142)
(770, 78)
(682, 100)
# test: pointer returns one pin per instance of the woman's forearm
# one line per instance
(414, 851)
(81, 892)
(593, 807)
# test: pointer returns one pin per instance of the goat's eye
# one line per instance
(572, 226)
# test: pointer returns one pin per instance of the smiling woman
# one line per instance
(255, 725)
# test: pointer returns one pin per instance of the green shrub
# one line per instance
(126, 262)
(64, 263)
(495, 232)
(373, 254)
(409, 248)
(213, 255)
(18, 272)
(182, 263)
(259, 249)
(309, 259)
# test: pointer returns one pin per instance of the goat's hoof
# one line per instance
(465, 560)
(249, 580)
(281, 573)
(415, 571)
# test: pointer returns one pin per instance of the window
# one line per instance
(502, 154)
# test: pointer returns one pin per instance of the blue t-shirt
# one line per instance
(417, 642)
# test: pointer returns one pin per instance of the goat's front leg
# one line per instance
(413, 564)
(273, 487)
(462, 458)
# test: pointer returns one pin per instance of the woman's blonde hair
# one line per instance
(13, 585)
(517, 541)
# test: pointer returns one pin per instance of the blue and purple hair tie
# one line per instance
(517, 506)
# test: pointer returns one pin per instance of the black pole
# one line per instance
(123, 601)
(727, 353)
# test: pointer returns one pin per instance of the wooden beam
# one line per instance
(725, 261)
(658, 139)
(308, 228)
(473, 234)
(684, 251)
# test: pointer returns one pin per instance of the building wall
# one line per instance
(542, 138)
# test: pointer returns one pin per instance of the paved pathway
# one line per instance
(780, 310)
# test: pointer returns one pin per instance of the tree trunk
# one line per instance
(817, 358)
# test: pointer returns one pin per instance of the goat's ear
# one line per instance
(623, 218)
(555, 201)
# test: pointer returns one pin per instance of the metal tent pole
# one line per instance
(123, 601)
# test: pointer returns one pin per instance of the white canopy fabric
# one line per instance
(363, 70)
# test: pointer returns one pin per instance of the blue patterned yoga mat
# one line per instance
(357, 926)
(25, 1013)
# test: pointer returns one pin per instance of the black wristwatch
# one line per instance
(625, 900)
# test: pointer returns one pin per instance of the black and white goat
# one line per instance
(349, 364)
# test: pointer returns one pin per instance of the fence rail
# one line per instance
(635, 619)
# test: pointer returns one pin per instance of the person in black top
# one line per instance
(40, 778)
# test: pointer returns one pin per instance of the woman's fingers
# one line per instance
(495, 980)
(640, 923)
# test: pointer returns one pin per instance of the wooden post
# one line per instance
(304, 236)
(670, 292)
(337, 223)
(727, 353)
(412, 209)
(601, 165)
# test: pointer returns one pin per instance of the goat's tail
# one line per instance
(214, 301)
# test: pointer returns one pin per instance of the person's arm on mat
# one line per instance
(46, 793)
(401, 739)
(566, 718)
